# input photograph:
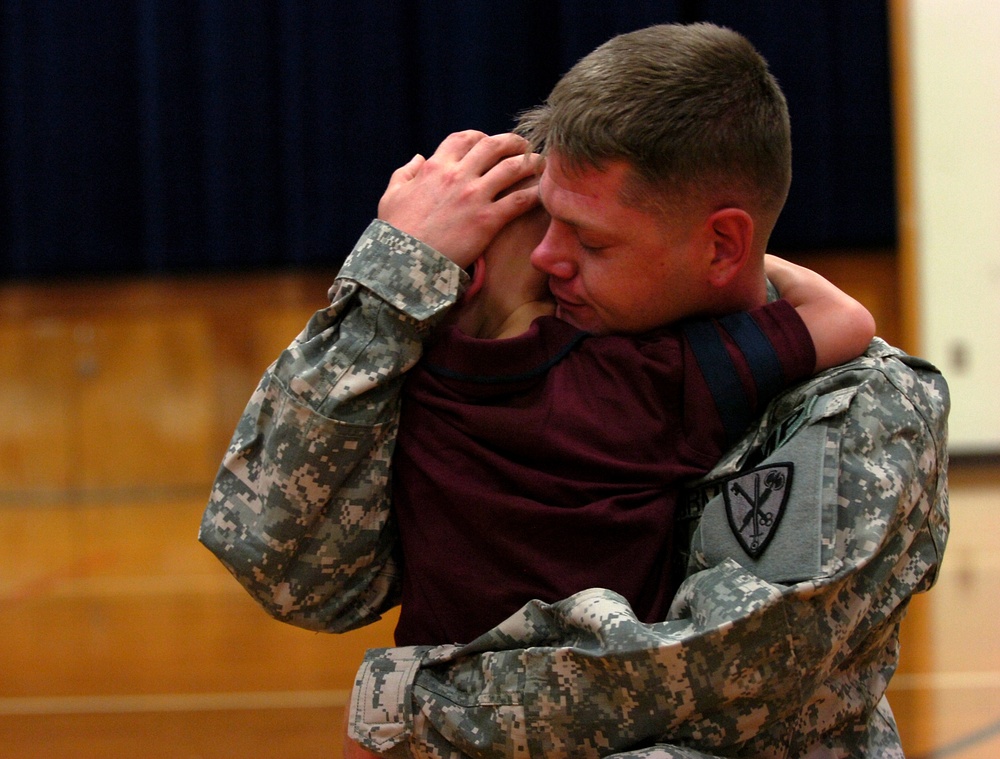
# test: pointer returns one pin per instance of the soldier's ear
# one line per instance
(731, 236)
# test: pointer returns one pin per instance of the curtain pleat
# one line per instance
(161, 136)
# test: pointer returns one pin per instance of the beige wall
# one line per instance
(948, 82)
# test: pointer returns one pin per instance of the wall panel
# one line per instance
(135, 386)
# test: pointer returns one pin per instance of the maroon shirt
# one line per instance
(549, 463)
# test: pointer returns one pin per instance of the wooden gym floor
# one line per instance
(123, 637)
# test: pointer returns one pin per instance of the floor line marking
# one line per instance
(48, 582)
(173, 702)
(112, 586)
(945, 680)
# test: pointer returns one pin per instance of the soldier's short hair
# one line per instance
(692, 108)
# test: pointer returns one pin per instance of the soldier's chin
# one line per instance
(580, 321)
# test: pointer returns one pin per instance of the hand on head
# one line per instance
(454, 201)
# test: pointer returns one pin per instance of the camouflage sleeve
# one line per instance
(783, 655)
(299, 510)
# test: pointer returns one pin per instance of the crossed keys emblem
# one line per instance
(755, 502)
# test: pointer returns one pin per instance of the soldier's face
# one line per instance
(614, 268)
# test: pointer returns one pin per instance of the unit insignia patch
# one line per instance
(755, 503)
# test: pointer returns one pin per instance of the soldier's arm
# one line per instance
(745, 664)
(299, 511)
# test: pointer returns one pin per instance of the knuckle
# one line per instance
(452, 176)
(468, 192)
(438, 168)
(469, 136)
(521, 199)
(484, 219)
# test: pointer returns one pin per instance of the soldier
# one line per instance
(807, 539)
(520, 460)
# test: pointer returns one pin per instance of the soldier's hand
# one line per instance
(450, 200)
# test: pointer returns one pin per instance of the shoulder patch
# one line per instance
(755, 502)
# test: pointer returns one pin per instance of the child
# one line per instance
(520, 460)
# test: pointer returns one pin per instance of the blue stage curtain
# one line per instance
(163, 136)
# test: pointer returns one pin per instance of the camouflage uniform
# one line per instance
(807, 541)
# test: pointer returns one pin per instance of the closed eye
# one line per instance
(592, 249)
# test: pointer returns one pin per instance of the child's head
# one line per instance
(503, 279)
(693, 110)
(506, 264)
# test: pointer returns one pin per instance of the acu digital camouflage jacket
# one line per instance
(807, 541)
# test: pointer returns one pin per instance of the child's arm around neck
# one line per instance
(841, 328)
